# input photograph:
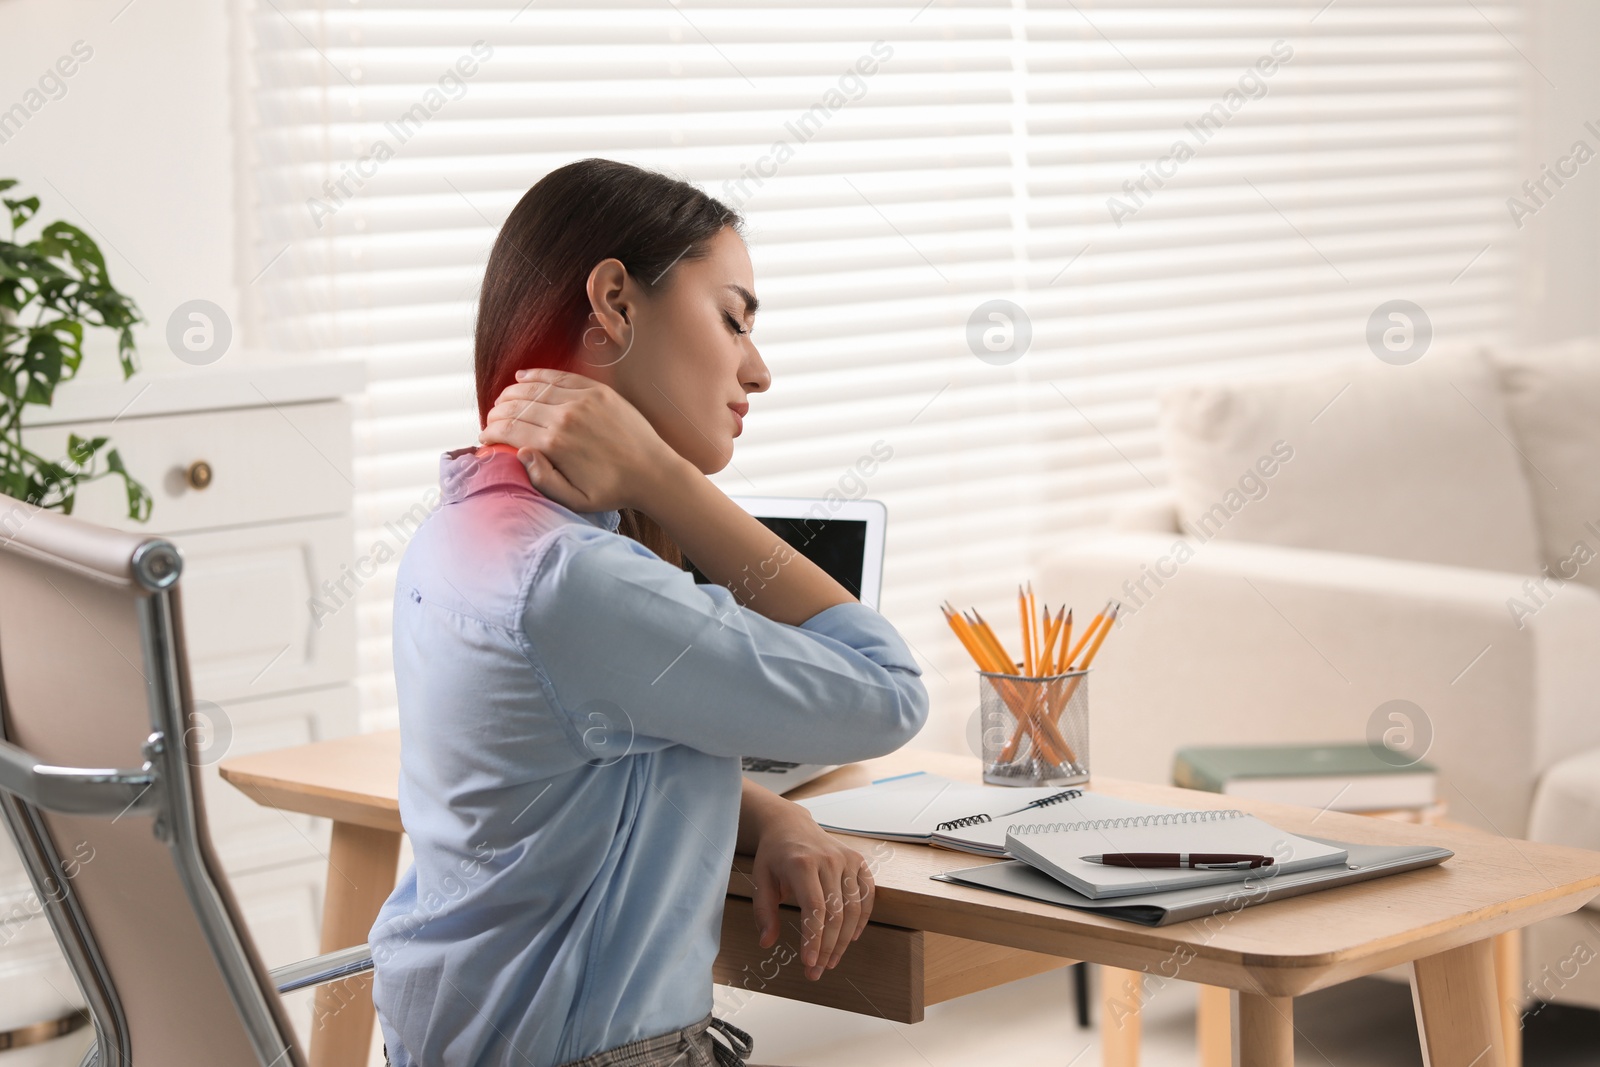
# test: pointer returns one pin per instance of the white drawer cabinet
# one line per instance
(261, 581)
(261, 465)
(250, 474)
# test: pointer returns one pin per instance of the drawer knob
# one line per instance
(198, 475)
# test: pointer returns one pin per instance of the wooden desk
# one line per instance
(889, 971)
(930, 940)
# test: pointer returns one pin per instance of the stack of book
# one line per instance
(1331, 777)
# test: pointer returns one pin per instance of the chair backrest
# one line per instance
(99, 786)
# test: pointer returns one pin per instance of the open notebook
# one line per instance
(1057, 848)
(931, 809)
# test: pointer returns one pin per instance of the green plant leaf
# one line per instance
(140, 502)
(52, 472)
(22, 210)
(53, 289)
(42, 362)
(81, 450)
(125, 352)
(64, 240)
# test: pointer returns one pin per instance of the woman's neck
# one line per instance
(485, 451)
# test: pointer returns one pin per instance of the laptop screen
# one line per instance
(838, 546)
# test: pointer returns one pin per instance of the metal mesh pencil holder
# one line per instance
(1035, 731)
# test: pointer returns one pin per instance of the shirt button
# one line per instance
(416, 595)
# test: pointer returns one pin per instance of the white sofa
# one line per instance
(1360, 534)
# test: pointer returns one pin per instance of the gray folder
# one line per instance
(1178, 905)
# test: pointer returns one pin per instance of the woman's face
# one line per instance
(681, 353)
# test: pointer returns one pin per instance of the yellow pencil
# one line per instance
(963, 634)
(1024, 624)
(994, 658)
(1035, 635)
(1047, 639)
(1088, 634)
(1004, 664)
(984, 648)
(1066, 643)
(1088, 660)
(1052, 631)
(1100, 638)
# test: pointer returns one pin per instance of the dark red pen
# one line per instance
(1199, 861)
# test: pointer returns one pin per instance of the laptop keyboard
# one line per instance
(755, 764)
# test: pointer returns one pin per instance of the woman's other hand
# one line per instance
(584, 446)
(797, 863)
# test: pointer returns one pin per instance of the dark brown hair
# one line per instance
(534, 304)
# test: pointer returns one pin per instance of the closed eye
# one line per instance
(734, 324)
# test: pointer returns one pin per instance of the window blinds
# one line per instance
(1163, 190)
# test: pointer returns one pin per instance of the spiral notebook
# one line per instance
(1057, 848)
(930, 809)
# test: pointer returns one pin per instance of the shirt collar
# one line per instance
(466, 471)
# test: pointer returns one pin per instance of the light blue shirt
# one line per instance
(572, 710)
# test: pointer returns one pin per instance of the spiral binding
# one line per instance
(975, 820)
(1070, 794)
(1170, 818)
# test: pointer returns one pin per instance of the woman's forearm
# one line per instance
(732, 548)
(759, 808)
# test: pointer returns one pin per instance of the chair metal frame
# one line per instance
(163, 788)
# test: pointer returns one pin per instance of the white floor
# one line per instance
(1031, 1021)
(1365, 1023)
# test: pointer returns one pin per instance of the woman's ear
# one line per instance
(610, 334)
(608, 288)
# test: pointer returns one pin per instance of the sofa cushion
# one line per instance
(1552, 395)
(1408, 462)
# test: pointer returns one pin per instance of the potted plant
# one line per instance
(53, 289)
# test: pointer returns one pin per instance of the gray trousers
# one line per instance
(692, 1046)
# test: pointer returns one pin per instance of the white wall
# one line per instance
(141, 151)
(1559, 246)
(138, 147)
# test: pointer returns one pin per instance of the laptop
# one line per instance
(844, 538)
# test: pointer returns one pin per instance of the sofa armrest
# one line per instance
(1566, 808)
(1240, 643)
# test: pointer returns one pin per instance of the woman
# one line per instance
(572, 704)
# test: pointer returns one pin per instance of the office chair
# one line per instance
(99, 787)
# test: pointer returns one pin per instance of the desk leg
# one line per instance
(1508, 982)
(1458, 1010)
(1266, 1031)
(1214, 1026)
(1121, 999)
(362, 866)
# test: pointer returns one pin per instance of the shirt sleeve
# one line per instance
(606, 620)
